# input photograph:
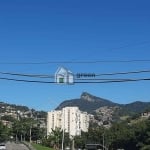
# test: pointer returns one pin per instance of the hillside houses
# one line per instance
(14, 112)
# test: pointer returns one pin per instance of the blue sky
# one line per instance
(36, 31)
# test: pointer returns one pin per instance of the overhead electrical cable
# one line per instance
(76, 62)
(75, 75)
(100, 79)
(22, 80)
(113, 81)
(131, 45)
(107, 81)
(121, 73)
(28, 75)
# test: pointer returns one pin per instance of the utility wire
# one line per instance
(119, 73)
(131, 45)
(75, 75)
(91, 61)
(21, 80)
(107, 81)
(99, 79)
(28, 75)
(76, 62)
(113, 81)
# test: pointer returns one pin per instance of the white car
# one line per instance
(2, 147)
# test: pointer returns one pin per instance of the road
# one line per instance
(14, 146)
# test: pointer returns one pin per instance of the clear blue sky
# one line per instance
(35, 31)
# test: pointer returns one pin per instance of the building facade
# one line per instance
(53, 120)
(69, 119)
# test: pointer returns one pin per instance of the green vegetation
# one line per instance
(8, 118)
(4, 132)
(40, 147)
(54, 140)
(122, 135)
(128, 130)
(25, 128)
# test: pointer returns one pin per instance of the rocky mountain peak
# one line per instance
(88, 97)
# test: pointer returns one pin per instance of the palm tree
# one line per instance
(56, 136)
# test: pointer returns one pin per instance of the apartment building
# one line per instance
(69, 119)
(53, 121)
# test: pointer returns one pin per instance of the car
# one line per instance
(2, 146)
(67, 148)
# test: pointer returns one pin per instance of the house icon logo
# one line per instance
(64, 76)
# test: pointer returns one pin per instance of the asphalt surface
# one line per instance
(15, 146)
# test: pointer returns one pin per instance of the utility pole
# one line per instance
(62, 145)
(16, 138)
(103, 142)
(72, 143)
(30, 134)
(63, 128)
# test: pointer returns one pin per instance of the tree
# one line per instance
(146, 147)
(56, 138)
(142, 133)
(37, 133)
(80, 142)
(4, 132)
(8, 118)
(121, 135)
(22, 129)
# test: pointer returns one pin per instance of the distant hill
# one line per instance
(10, 113)
(137, 106)
(103, 109)
(91, 103)
(87, 102)
(14, 110)
(132, 109)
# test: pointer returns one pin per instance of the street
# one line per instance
(15, 146)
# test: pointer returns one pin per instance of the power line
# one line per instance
(75, 75)
(131, 45)
(99, 79)
(91, 61)
(76, 62)
(21, 80)
(107, 81)
(113, 81)
(121, 73)
(28, 75)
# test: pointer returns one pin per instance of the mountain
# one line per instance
(137, 106)
(87, 102)
(91, 103)
(131, 109)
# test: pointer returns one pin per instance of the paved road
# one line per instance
(14, 146)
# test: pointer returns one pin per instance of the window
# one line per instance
(61, 80)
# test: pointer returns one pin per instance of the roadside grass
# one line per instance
(40, 147)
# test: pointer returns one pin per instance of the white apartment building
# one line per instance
(53, 120)
(69, 119)
(85, 119)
